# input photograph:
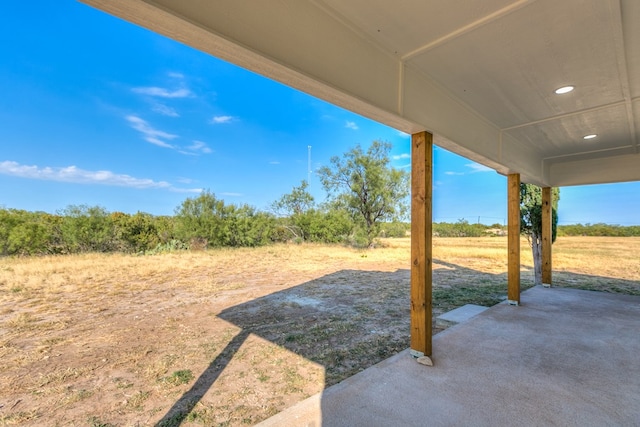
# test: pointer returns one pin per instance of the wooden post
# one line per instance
(421, 241)
(513, 193)
(546, 236)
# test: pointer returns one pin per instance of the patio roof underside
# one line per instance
(479, 75)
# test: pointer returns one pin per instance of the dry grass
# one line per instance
(230, 337)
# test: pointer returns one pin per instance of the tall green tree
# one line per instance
(294, 208)
(531, 222)
(363, 183)
(304, 221)
(297, 202)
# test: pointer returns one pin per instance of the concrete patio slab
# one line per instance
(460, 314)
(564, 357)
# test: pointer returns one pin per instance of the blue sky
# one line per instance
(94, 110)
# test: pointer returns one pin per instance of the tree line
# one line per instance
(366, 199)
(205, 221)
(599, 229)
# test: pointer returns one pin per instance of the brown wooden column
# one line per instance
(421, 241)
(513, 195)
(547, 204)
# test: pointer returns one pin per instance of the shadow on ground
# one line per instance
(349, 320)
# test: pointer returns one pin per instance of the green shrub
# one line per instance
(208, 219)
(394, 229)
(170, 246)
(87, 229)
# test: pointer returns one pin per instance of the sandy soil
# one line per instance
(218, 338)
(224, 337)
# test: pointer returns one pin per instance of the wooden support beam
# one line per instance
(421, 241)
(513, 195)
(547, 204)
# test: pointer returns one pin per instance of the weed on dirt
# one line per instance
(230, 337)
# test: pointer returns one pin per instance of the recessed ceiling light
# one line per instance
(564, 89)
(593, 135)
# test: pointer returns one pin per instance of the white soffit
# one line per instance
(564, 137)
(427, 24)
(480, 75)
(509, 69)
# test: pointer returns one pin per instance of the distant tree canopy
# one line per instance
(362, 183)
(28, 233)
(303, 221)
(38, 233)
(366, 199)
(297, 202)
(462, 228)
(599, 229)
(206, 221)
(78, 228)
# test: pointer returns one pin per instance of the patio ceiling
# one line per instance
(478, 74)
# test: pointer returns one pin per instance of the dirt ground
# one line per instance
(226, 337)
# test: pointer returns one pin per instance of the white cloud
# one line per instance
(150, 134)
(163, 92)
(195, 149)
(73, 174)
(186, 190)
(351, 125)
(175, 75)
(159, 138)
(275, 162)
(222, 119)
(199, 146)
(475, 167)
(158, 142)
(165, 110)
(403, 134)
(187, 153)
(401, 156)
